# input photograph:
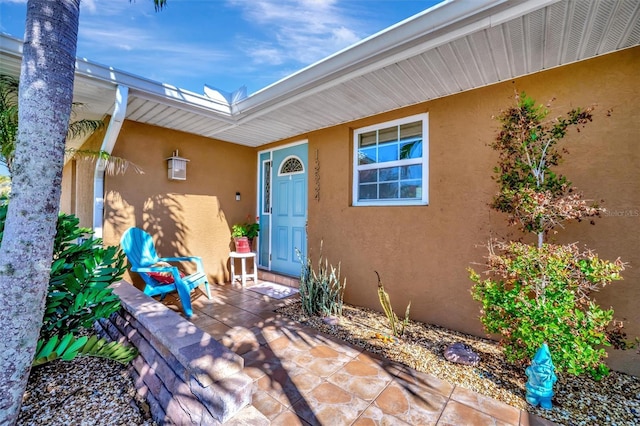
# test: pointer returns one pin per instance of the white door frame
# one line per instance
(259, 188)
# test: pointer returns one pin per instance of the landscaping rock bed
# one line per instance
(615, 400)
(84, 391)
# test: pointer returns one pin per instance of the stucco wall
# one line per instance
(77, 181)
(191, 217)
(422, 252)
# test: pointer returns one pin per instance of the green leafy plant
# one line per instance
(537, 295)
(78, 294)
(541, 294)
(70, 347)
(248, 229)
(321, 291)
(81, 273)
(397, 327)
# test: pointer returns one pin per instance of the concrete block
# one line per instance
(226, 397)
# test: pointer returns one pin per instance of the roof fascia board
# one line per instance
(157, 91)
(431, 20)
(10, 45)
(403, 48)
(148, 89)
(184, 104)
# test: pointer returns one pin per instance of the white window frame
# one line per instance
(424, 162)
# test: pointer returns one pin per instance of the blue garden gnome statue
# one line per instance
(541, 379)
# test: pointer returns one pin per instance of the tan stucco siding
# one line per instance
(78, 181)
(191, 217)
(423, 252)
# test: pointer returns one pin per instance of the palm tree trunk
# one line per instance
(45, 96)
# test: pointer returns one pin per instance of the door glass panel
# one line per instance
(291, 165)
(266, 194)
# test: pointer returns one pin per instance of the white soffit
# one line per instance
(455, 46)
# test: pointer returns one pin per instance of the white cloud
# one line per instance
(303, 31)
(88, 5)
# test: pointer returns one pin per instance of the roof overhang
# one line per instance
(454, 46)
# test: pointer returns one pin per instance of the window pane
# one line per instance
(390, 134)
(411, 189)
(388, 190)
(411, 130)
(388, 153)
(366, 176)
(389, 173)
(367, 139)
(368, 192)
(367, 156)
(389, 169)
(412, 149)
(411, 172)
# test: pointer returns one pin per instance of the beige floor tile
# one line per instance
(456, 414)
(267, 405)
(327, 404)
(420, 382)
(492, 407)
(364, 379)
(279, 383)
(374, 416)
(240, 340)
(288, 418)
(413, 408)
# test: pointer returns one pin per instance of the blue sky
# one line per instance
(223, 43)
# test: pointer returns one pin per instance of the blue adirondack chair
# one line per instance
(139, 248)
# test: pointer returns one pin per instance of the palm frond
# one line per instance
(8, 91)
(113, 165)
(83, 128)
(8, 118)
(159, 4)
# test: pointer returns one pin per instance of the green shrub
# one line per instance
(542, 294)
(321, 292)
(537, 295)
(78, 294)
(81, 273)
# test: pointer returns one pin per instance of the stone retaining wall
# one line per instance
(186, 376)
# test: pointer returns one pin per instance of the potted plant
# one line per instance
(244, 233)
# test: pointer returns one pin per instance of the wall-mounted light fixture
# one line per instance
(237, 196)
(177, 167)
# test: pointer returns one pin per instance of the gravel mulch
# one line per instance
(84, 391)
(615, 400)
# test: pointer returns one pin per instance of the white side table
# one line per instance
(243, 257)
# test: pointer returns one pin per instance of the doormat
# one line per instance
(273, 290)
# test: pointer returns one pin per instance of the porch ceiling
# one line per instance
(456, 46)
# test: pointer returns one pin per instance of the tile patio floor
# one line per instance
(304, 377)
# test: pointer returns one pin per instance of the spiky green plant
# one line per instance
(397, 327)
(321, 291)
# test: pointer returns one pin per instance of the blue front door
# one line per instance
(289, 209)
